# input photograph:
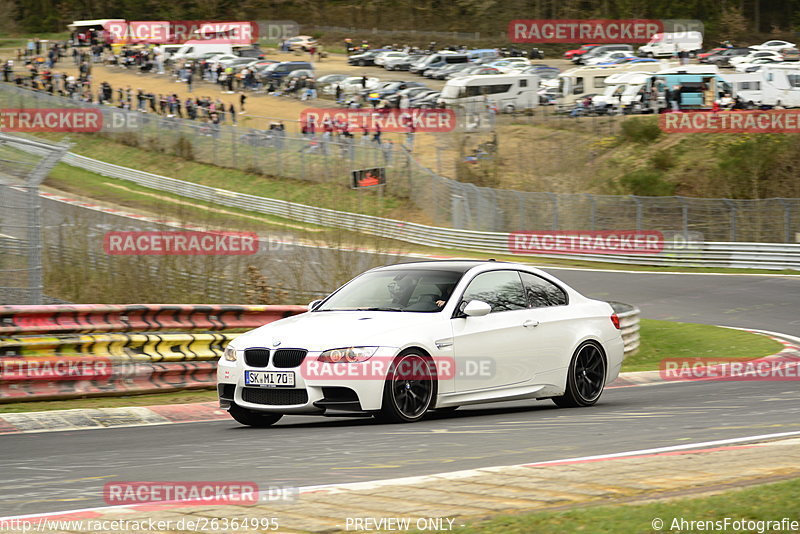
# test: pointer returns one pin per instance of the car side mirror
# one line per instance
(313, 304)
(476, 308)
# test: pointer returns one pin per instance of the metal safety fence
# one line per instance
(676, 252)
(24, 164)
(446, 202)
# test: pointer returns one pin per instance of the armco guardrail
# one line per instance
(675, 253)
(629, 325)
(60, 352)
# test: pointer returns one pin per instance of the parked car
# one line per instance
(755, 54)
(570, 54)
(775, 45)
(790, 54)
(301, 42)
(602, 49)
(540, 339)
(389, 88)
(401, 63)
(703, 55)
(478, 70)
(411, 93)
(744, 66)
(331, 78)
(380, 59)
(278, 71)
(722, 58)
(416, 102)
(351, 85)
(443, 72)
(365, 58)
(253, 52)
(608, 57)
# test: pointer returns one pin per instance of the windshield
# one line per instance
(400, 290)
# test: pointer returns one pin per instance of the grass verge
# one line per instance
(668, 339)
(764, 502)
(660, 339)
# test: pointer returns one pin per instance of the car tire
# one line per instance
(406, 400)
(586, 377)
(509, 109)
(361, 63)
(251, 418)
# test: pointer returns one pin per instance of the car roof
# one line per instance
(461, 266)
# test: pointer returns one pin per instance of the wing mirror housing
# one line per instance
(476, 308)
(313, 304)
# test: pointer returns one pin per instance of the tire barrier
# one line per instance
(85, 318)
(62, 352)
(629, 325)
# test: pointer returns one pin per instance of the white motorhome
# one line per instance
(575, 84)
(781, 85)
(622, 90)
(669, 44)
(509, 92)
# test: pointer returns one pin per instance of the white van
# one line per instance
(509, 92)
(669, 44)
(195, 49)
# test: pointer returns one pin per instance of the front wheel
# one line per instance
(586, 377)
(409, 389)
(251, 418)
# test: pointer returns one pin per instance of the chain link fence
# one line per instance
(445, 202)
(21, 173)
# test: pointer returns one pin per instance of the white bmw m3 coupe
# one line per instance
(398, 341)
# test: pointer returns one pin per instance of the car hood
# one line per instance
(318, 331)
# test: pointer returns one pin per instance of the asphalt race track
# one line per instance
(66, 470)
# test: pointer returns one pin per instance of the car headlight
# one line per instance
(230, 354)
(347, 355)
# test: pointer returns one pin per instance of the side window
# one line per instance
(542, 293)
(578, 86)
(523, 83)
(502, 290)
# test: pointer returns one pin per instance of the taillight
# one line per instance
(615, 320)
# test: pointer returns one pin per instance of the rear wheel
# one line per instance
(251, 418)
(586, 377)
(409, 389)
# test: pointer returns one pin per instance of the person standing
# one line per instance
(242, 100)
(189, 78)
(232, 112)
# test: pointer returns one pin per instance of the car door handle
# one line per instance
(530, 323)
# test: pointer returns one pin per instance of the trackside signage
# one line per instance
(180, 243)
(50, 120)
(393, 120)
(771, 121)
(181, 31)
(608, 31)
(588, 242)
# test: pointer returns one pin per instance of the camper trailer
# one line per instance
(508, 92)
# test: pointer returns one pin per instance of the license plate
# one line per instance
(269, 378)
